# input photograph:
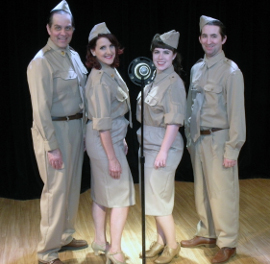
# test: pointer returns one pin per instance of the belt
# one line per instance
(209, 131)
(67, 118)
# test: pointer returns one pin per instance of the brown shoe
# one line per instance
(199, 241)
(224, 254)
(168, 254)
(75, 245)
(55, 261)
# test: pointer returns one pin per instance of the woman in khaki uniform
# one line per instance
(111, 180)
(164, 106)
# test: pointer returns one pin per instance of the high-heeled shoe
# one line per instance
(168, 254)
(155, 249)
(111, 258)
(99, 249)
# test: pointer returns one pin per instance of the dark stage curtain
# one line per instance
(134, 23)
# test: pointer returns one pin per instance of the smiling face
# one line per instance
(104, 51)
(61, 30)
(211, 40)
(163, 58)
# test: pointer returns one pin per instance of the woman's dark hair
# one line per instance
(92, 61)
(222, 28)
(50, 18)
(158, 43)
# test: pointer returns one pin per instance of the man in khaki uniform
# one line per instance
(215, 130)
(56, 77)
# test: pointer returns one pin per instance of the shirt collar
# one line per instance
(160, 76)
(108, 69)
(61, 51)
(213, 60)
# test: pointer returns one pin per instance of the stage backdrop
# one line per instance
(134, 23)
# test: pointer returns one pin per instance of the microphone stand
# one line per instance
(140, 70)
(142, 161)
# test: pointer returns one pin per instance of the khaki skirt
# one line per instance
(159, 183)
(105, 190)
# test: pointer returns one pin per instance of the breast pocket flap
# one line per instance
(152, 101)
(67, 75)
(121, 95)
(213, 88)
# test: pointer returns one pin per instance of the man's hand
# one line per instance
(228, 163)
(55, 159)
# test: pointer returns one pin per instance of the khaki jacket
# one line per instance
(222, 84)
(165, 100)
(107, 97)
(56, 78)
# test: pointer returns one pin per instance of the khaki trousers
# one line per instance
(216, 190)
(60, 195)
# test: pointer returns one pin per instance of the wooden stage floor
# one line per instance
(19, 228)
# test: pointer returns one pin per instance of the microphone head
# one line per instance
(139, 68)
(143, 70)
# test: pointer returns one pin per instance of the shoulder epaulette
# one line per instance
(199, 60)
(231, 63)
(97, 77)
(46, 48)
(173, 77)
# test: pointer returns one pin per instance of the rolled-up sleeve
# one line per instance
(101, 102)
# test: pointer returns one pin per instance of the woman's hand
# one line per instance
(161, 159)
(115, 169)
(170, 135)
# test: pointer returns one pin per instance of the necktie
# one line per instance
(122, 84)
(81, 89)
(196, 114)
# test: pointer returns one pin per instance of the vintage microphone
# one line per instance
(139, 68)
(142, 70)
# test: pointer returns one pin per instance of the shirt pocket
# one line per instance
(65, 82)
(121, 95)
(153, 105)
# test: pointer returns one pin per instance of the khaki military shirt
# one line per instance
(107, 97)
(221, 82)
(165, 100)
(56, 78)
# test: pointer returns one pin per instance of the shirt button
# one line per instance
(62, 52)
